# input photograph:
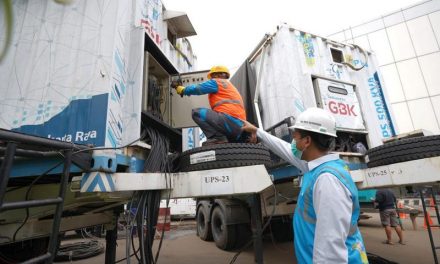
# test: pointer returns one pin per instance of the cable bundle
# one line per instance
(155, 97)
(79, 250)
(147, 202)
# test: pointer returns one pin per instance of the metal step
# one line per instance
(31, 203)
(38, 259)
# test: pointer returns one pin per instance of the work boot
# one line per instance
(214, 141)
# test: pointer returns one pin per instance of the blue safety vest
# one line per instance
(304, 222)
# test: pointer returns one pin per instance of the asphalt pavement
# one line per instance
(181, 245)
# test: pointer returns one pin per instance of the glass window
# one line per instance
(362, 42)
(422, 115)
(435, 22)
(430, 65)
(400, 42)
(338, 37)
(365, 28)
(402, 119)
(379, 44)
(412, 80)
(422, 35)
(436, 104)
(393, 19)
(421, 9)
(392, 83)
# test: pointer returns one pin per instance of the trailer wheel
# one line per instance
(404, 150)
(203, 226)
(224, 235)
(224, 156)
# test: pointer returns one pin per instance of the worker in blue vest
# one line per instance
(327, 211)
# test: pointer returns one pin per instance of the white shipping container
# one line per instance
(295, 70)
(79, 72)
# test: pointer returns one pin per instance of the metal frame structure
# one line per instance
(429, 226)
(20, 145)
(224, 182)
(402, 174)
(194, 184)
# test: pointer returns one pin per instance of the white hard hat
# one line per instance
(316, 120)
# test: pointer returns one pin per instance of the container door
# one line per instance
(341, 100)
(181, 106)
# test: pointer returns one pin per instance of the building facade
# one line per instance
(407, 45)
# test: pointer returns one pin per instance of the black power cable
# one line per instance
(79, 250)
(27, 196)
(148, 202)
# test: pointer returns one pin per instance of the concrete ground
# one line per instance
(181, 245)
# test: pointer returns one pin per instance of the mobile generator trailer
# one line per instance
(89, 124)
(82, 82)
(101, 85)
(288, 72)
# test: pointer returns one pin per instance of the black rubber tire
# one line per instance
(224, 235)
(227, 155)
(203, 226)
(404, 150)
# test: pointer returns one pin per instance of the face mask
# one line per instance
(295, 151)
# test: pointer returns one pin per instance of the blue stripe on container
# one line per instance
(119, 63)
(111, 137)
(122, 85)
(117, 91)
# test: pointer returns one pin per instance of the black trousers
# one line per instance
(219, 126)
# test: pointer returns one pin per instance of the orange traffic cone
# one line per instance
(401, 215)
(164, 219)
(428, 220)
(431, 204)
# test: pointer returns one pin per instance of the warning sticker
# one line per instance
(202, 157)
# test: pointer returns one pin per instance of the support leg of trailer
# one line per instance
(257, 231)
(111, 236)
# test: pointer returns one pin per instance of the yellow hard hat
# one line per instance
(218, 68)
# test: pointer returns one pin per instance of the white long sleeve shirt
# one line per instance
(331, 201)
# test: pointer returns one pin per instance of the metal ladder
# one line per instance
(29, 146)
(426, 215)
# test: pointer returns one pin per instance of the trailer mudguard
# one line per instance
(236, 211)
